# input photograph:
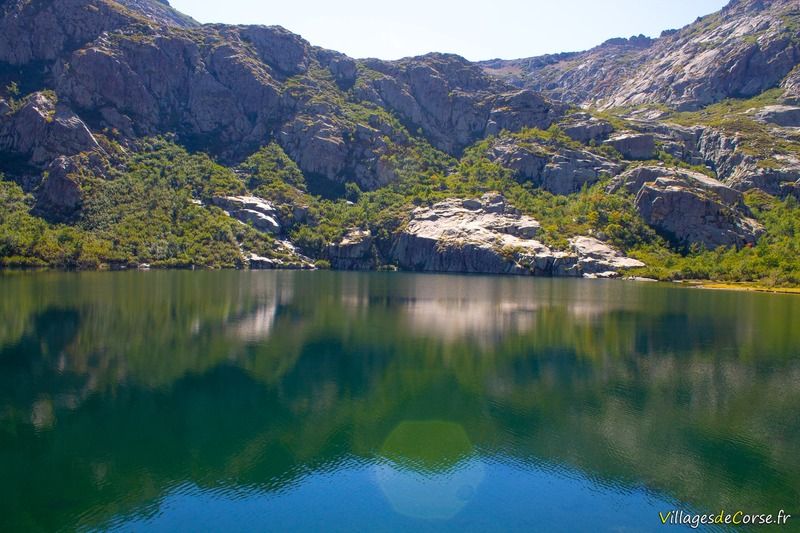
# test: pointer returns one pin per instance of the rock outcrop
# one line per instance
(557, 169)
(161, 12)
(780, 115)
(84, 81)
(251, 210)
(355, 251)
(690, 208)
(138, 68)
(287, 258)
(488, 236)
(791, 87)
(598, 259)
(634, 146)
(59, 197)
(452, 101)
(584, 128)
(40, 130)
(34, 32)
(577, 78)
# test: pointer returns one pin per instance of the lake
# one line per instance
(324, 401)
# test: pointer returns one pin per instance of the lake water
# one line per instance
(321, 401)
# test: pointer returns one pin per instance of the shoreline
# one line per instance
(742, 286)
(739, 287)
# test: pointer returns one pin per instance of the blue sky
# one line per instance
(476, 30)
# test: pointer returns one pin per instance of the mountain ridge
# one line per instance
(756, 40)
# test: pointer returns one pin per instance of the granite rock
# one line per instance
(489, 236)
(634, 146)
(259, 213)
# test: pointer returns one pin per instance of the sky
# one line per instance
(477, 30)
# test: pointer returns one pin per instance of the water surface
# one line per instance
(314, 401)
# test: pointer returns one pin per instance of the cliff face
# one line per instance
(741, 51)
(138, 68)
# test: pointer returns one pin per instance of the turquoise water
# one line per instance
(319, 401)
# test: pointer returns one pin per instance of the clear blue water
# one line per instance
(313, 401)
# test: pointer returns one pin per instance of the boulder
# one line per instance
(488, 236)
(252, 210)
(257, 262)
(634, 146)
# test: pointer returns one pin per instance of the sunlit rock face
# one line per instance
(489, 236)
(253, 210)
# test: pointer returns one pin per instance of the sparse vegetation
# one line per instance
(149, 212)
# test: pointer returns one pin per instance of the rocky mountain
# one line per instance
(744, 49)
(131, 134)
(141, 69)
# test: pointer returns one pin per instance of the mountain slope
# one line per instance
(744, 49)
(231, 89)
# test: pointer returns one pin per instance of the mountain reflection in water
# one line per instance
(335, 401)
